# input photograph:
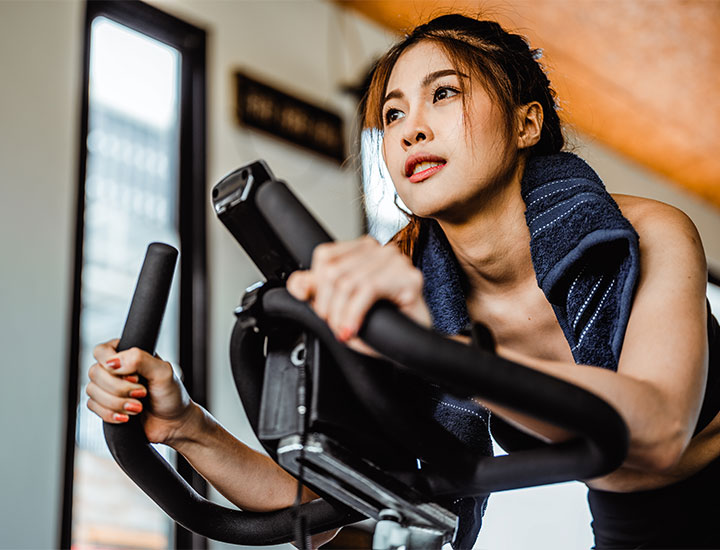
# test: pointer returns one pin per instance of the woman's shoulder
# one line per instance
(650, 217)
(643, 210)
(661, 226)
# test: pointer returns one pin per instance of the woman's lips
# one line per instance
(425, 174)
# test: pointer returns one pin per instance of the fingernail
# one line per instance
(132, 407)
(113, 363)
(140, 392)
(345, 334)
(131, 378)
(121, 417)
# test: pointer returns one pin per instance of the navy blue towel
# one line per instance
(585, 255)
(465, 419)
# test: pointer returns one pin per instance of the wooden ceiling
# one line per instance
(641, 76)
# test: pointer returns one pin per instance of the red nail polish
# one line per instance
(132, 378)
(113, 363)
(132, 407)
(121, 417)
(138, 393)
(345, 334)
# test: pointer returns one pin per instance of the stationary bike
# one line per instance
(355, 429)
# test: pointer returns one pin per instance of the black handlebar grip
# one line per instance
(127, 442)
(290, 220)
(158, 479)
(150, 298)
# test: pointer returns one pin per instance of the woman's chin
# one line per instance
(429, 201)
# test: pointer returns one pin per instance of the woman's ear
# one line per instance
(530, 122)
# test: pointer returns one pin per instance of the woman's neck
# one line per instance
(493, 245)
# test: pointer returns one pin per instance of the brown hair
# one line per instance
(504, 63)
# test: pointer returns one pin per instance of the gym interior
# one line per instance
(65, 215)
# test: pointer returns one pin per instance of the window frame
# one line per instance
(190, 41)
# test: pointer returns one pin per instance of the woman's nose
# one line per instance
(416, 132)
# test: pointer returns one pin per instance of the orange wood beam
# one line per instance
(642, 77)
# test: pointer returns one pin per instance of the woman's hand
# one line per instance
(347, 278)
(114, 392)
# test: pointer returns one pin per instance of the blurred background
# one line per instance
(117, 118)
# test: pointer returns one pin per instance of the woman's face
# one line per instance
(444, 159)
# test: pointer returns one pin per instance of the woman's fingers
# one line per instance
(352, 296)
(388, 276)
(115, 385)
(113, 389)
(107, 415)
(111, 397)
(114, 392)
(330, 263)
(347, 278)
(111, 407)
(104, 351)
(327, 253)
(337, 280)
(131, 362)
(135, 361)
(300, 285)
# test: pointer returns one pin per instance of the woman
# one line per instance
(508, 232)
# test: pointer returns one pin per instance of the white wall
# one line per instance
(307, 47)
(40, 56)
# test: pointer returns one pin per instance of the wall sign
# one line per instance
(263, 107)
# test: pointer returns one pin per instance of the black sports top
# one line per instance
(681, 515)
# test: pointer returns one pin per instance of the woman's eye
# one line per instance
(392, 115)
(443, 93)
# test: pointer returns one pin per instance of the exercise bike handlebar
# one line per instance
(158, 479)
(600, 447)
(602, 438)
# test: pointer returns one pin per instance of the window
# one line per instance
(141, 180)
(384, 209)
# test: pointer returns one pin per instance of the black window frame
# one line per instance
(190, 41)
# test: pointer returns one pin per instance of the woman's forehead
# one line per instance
(416, 62)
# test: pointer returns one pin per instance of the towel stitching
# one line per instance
(560, 216)
(592, 320)
(563, 203)
(546, 195)
(536, 189)
(587, 301)
(572, 286)
(474, 413)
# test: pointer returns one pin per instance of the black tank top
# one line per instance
(711, 401)
(681, 515)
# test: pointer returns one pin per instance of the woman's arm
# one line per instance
(701, 451)
(662, 370)
(661, 375)
(249, 479)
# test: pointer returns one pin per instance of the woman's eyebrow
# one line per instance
(429, 78)
(439, 74)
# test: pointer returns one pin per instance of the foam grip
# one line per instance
(158, 479)
(290, 220)
(150, 299)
